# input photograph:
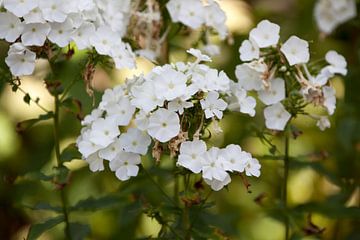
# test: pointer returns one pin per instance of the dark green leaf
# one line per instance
(37, 229)
(69, 153)
(24, 125)
(93, 204)
(79, 231)
(45, 206)
(332, 210)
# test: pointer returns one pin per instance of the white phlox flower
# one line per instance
(191, 155)
(125, 165)
(276, 117)
(135, 141)
(275, 93)
(296, 50)
(163, 125)
(265, 34)
(213, 105)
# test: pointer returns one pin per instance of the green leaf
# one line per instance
(93, 204)
(38, 176)
(79, 231)
(37, 229)
(45, 206)
(69, 153)
(24, 125)
(74, 106)
(332, 210)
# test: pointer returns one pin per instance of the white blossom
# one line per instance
(20, 62)
(275, 93)
(212, 165)
(103, 131)
(323, 123)
(125, 165)
(35, 34)
(252, 167)
(163, 125)
(135, 141)
(111, 151)
(249, 51)
(337, 63)
(265, 34)
(248, 78)
(96, 163)
(329, 99)
(20, 7)
(191, 155)
(217, 185)
(10, 27)
(296, 50)
(213, 105)
(276, 116)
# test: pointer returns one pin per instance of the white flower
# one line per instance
(234, 158)
(213, 105)
(20, 62)
(95, 162)
(174, 7)
(192, 14)
(276, 116)
(275, 93)
(265, 34)
(125, 165)
(217, 185)
(211, 49)
(10, 27)
(296, 50)
(329, 99)
(53, 10)
(122, 111)
(163, 125)
(337, 63)
(142, 120)
(215, 18)
(34, 16)
(323, 123)
(103, 40)
(330, 13)
(178, 105)
(144, 97)
(248, 78)
(123, 56)
(242, 103)
(212, 165)
(60, 33)
(252, 167)
(85, 146)
(199, 56)
(249, 51)
(90, 118)
(81, 36)
(323, 77)
(170, 84)
(135, 141)
(111, 151)
(20, 7)
(35, 34)
(191, 155)
(104, 131)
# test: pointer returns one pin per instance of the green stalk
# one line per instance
(285, 182)
(59, 164)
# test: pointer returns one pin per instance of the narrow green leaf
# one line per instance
(38, 176)
(37, 229)
(69, 153)
(45, 206)
(93, 204)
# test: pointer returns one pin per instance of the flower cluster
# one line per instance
(331, 13)
(280, 74)
(87, 23)
(171, 106)
(215, 163)
(194, 14)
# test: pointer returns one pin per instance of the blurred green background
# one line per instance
(323, 184)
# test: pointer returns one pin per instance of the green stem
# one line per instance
(59, 164)
(158, 186)
(285, 182)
